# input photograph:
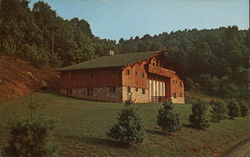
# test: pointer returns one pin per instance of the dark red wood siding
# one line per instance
(135, 78)
(158, 71)
(102, 77)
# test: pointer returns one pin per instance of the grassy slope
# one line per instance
(83, 124)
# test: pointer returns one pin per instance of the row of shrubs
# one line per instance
(30, 137)
(219, 110)
(129, 127)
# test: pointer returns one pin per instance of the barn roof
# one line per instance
(111, 61)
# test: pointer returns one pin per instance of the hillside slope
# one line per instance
(18, 77)
(82, 127)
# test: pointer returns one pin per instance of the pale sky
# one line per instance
(114, 19)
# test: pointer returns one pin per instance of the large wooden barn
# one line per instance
(141, 77)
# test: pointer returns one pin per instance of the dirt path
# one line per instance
(240, 150)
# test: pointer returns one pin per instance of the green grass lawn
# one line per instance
(82, 127)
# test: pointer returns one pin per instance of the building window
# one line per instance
(112, 89)
(174, 95)
(128, 89)
(127, 72)
(143, 91)
(78, 91)
(180, 84)
(180, 94)
(136, 89)
(112, 72)
(89, 91)
(69, 75)
(90, 75)
(136, 72)
(69, 91)
(142, 75)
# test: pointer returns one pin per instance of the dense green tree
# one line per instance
(202, 58)
(233, 108)
(46, 20)
(177, 55)
(103, 46)
(219, 110)
(168, 119)
(58, 41)
(129, 127)
(15, 17)
(244, 107)
(199, 117)
(31, 137)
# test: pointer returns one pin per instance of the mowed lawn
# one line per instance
(82, 126)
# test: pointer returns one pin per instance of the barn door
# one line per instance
(156, 90)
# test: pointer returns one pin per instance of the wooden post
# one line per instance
(52, 46)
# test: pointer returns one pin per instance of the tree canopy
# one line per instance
(40, 35)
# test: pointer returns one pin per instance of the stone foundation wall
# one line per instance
(136, 96)
(178, 100)
(121, 95)
(99, 94)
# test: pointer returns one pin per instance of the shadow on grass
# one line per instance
(188, 126)
(159, 132)
(56, 93)
(156, 132)
(99, 141)
(105, 142)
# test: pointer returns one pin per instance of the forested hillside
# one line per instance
(42, 37)
(215, 61)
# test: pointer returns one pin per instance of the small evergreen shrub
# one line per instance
(129, 127)
(30, 137)
(233, 109)
(243, 109)
(199, 117)
(168, 118)
(219, 110)
(127, 103)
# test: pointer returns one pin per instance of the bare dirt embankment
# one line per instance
(18, 78)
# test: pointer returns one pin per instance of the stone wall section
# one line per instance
(177, 90)
(178, 100)
(136, 94)
(98, 94)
